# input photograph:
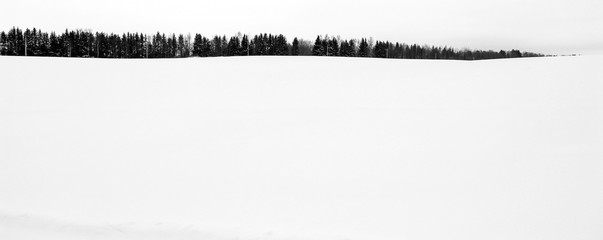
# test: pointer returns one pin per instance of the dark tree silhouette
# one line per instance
(318, 49)
(83, 43)
(294, 47)
(363, 48)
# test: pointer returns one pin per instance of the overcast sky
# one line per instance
(550, 27)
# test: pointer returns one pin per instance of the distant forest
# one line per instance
(85, 43)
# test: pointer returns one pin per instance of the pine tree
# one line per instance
(224, 42)
(233, 46)
(28, 45)
(281, 47)
(15, 42)
(103, 46)
(3, 43)
(164, 47)
(380, 49)
(140, 46)
(271, 44)
(333, 47)
(502, 54)
(181, 46)
(53, 49)
(515, 53)
(244, 50)
(318, 49)
(260, 45)
(352, 48)
(295, 47)
(217, 46)
(206, 50)
(345, 50)
(325, 46)
(35, 42)
(363, 48)
(197, 45)
(173, 46)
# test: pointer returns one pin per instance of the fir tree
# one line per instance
(280, 44)
(345, 50)
(197, 45)
(244, 50)
(333, 47)
(3, 43)
(318, 49)
(380, 49)
(233, 46)
(181, 45)
(260, 45)
(206, 47)
(515, 53)
(295, 47)
(217, 46)
(363, 48)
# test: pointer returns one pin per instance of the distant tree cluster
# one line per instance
(334, 47)
(262, 44)
(85, 43)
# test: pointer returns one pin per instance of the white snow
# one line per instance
(292, 148)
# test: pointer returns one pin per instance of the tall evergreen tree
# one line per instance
(27, 42)
(217, 46)
(197, 43)
(352, 48)
(333, 47)
(318, 49)
(181, 46)
(515, 53)
(345, 49)
(233, 46)
(363, 48)
(280, 45)
(261, 45)
(295, 47)
(54, 48)
(141, 48)
(380, 49)
(224, 42)
(3, 43)
(244, 50)
(206, 49)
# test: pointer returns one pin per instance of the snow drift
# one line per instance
(309, 148)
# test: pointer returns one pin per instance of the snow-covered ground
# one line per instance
(301, 148)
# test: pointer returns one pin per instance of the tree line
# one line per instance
(85, 43)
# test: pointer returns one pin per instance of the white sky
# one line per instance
(550, 27)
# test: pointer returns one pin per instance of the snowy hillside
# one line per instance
(312, 148)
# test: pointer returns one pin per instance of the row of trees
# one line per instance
(85, 43)
(242, 45)
(365, 48)
(82, 43)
